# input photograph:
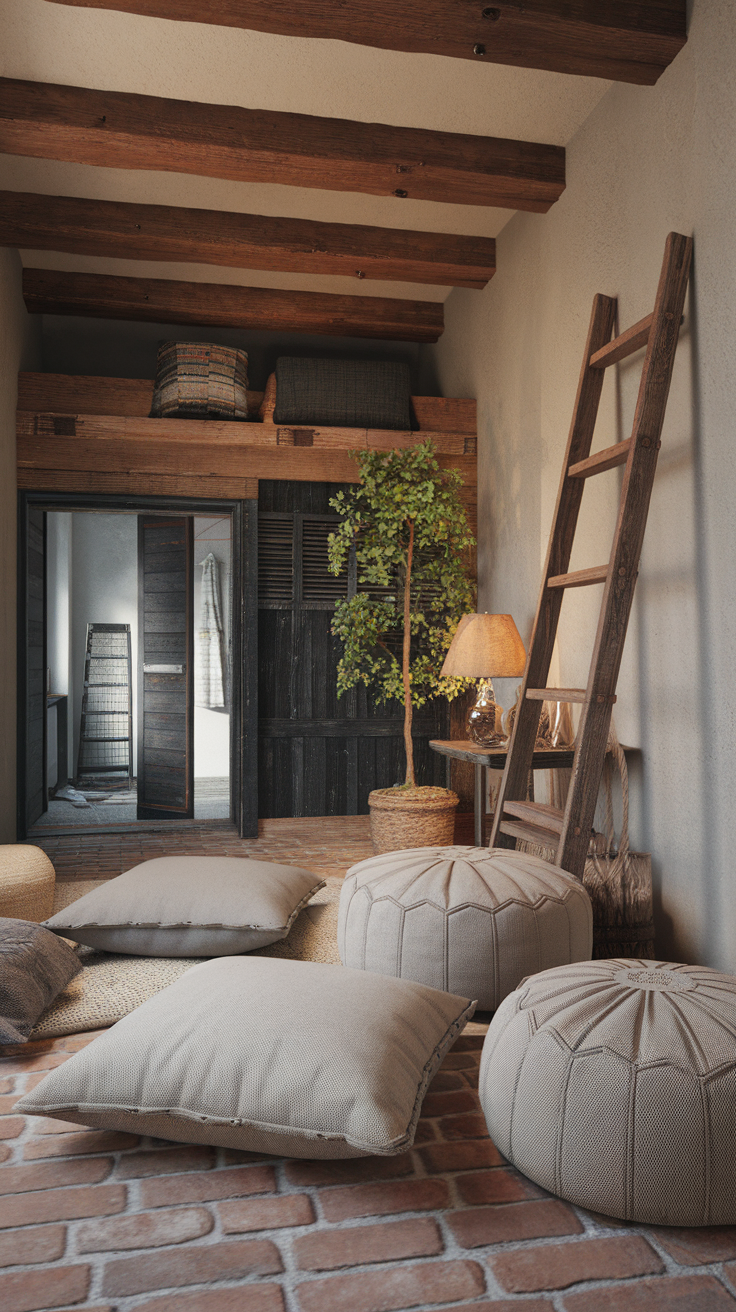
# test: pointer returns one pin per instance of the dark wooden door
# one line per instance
(165, 668)
(32, 673)
(318, 754)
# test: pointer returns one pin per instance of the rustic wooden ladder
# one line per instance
(569, 832)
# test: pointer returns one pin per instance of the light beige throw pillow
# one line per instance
(286, 1057)
(190, 906)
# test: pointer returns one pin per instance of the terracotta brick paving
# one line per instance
(325, 844)
(102, 1221)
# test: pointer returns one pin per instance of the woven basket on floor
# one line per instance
(27, 880)
(618, 881)
(403, 818)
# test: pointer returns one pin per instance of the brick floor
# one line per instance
(111, 1223)
(325, 844)
(100, 1221)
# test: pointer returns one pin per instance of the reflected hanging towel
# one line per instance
(210, 690)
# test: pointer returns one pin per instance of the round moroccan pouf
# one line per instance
(613, 1085)
(27, 880)
(469, 920)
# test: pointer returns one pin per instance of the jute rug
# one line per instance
(111, 985)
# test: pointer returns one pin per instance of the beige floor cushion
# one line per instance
(27, 880)
(471, 920)
(613, 1085)
(285, 1057)
(111, 985)
(190, 906)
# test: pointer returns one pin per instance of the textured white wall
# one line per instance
(59, 625)
(19, 349)
(647, 161)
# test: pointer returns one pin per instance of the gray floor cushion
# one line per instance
(468, 919)
(613, 1085)
(286, 1057)
(190, 906)
(35, 966)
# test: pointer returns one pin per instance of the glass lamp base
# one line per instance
(482, 724)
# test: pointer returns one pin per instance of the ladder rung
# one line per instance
(530, 833)
(580, 578)
(603, 460)
(568, 695)
(625, 344)
(556, 694)
(537, 813)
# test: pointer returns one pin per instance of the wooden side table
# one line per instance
(494, 758)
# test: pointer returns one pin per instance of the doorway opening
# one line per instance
(131, 691)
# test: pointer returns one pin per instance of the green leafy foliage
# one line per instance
(404, 497)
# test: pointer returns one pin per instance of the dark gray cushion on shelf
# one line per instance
(343, 393)
(35, 965)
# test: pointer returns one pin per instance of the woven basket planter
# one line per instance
(413, 817)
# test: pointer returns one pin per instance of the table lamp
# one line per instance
(485, 647)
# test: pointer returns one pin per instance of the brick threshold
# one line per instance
(132, 827)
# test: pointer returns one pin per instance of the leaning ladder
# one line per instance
(569, 831)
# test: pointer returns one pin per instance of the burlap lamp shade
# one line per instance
(485, 647)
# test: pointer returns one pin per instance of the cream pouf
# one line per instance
(613, 1085)
(27, 880)
(470, 920)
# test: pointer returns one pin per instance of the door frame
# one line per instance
(244, 620)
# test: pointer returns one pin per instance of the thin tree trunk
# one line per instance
(408, 741)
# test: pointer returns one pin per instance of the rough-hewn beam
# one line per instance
(73, 394)
(625, 40)
(126, 131)
(160, 300)
(245, 241)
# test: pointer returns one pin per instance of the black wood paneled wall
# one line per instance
(318, 754)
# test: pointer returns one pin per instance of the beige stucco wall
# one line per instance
(19, 338)
(647, 161)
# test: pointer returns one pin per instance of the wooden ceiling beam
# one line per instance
(208, 304)
(624, 40)
(243, 241)
(120, 130)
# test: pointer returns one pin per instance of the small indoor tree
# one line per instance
(408, 528)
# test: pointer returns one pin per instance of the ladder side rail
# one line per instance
(592, 737)
(569, 496)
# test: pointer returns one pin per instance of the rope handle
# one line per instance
(615, 754)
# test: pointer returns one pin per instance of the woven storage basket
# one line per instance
(417, 817)
(27, 880)
(618, 882)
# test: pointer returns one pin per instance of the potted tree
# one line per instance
(407, 526)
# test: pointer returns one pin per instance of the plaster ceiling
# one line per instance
(106, 50)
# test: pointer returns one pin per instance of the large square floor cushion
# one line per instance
(190, 906)
(613, 1085)
(285, 1057)
(471, 920)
